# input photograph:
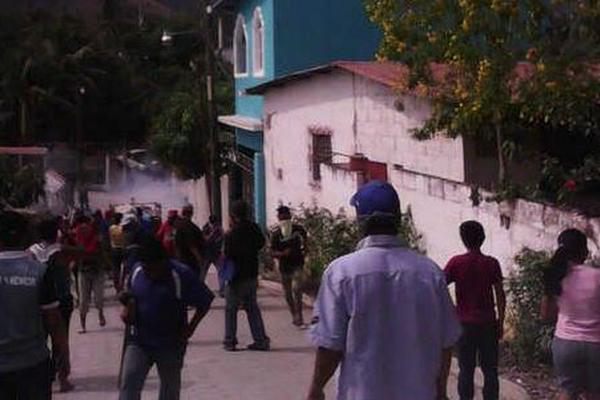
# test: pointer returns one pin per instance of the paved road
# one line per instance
(210, 373)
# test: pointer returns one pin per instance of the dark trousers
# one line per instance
(478, 343)
(117, 255)
(137, 362)
(33, 383)
(292, 288)
(66, 310)
(243, 293)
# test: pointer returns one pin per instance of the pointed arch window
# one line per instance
(240, 47)
(258, 44)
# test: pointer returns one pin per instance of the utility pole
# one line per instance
(79, 174)
(213, 141)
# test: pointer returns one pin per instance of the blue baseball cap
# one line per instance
(376, 197)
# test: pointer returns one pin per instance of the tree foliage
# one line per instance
(20, 186)
(108, 76)
(513, 71)
(532, 339)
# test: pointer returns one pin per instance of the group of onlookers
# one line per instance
(385, 317)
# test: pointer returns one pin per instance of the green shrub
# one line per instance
(532, 338)
(334, 235)
(330, 236)
(20, 187)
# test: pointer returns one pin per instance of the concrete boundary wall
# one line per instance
(439, 206)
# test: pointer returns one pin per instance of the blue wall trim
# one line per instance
(250, 140)
(260, 209)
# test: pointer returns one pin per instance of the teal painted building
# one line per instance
(273, 38)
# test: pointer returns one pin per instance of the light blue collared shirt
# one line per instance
(388, 310)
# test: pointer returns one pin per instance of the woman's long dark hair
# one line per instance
(572, 248)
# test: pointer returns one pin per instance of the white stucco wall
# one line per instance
(384, 134)
(439, 207)
(322, 100)
(363, 118)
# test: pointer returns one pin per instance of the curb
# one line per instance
(509, 390)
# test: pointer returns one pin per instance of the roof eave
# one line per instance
(264, 87)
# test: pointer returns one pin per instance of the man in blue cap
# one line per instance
(383, 313)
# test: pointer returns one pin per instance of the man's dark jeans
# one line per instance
(243, 292)
(479, 342)
(33, 383)
(137, 362)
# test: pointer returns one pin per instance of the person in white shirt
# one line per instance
(383, 313)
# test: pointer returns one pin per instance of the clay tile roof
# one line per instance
(390, 74)
(395, 75)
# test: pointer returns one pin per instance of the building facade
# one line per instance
(329, 129)
(273, 38)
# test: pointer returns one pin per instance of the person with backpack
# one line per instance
(288, 246)
(159, 292)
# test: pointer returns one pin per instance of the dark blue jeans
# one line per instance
(478, 343)
(33, 383)
(243, 293)
(137, 362)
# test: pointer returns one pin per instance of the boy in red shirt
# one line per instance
(477, 278)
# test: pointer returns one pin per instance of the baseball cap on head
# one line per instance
(376, 198)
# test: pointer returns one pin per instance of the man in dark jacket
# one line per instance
(242, 245)
(189, 242)
(288, 246)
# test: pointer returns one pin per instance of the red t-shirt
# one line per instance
(85, 236)
(474, 275)
(166, 235)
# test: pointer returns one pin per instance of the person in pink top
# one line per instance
(572, 298)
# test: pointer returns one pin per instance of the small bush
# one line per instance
(334, 235)
(330, 236)
(532, 338)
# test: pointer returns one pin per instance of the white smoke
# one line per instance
(139, 187)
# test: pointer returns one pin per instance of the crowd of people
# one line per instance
(383, 317)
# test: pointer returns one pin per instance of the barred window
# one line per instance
(322, 154)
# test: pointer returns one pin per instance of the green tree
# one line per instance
(468, 56)
(20, 186)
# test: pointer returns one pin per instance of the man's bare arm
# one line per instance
(326, 363)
